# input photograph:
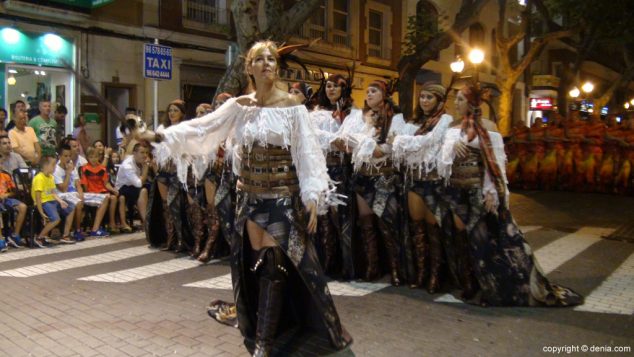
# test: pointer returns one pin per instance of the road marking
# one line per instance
(66, 264)
(148, 271)
(615, 295)
(337, 288)
(557, 252)
(29, 253)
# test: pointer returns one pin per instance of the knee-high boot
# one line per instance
(370, 248)
(328, 242)
(271, 269)
(418, 235)
(392, 251)
(465, 273)
(170, 231)
(435, 257)
(213, 224)
(195, 212)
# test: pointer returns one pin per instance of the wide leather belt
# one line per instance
(420, 175)
(269, 171)
(334, 158)
(468, 171)
(385, 169)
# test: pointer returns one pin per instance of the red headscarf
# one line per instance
(339, 113)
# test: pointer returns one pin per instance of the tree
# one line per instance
(511, 69)
(606, 34)
(252, 24)
(423, 43)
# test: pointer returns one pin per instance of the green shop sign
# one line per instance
(37, 49)
(88, 4)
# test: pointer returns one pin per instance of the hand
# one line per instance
(489, 203)
(312, 221)
(63, 204)
(378, 153)
(390, 138)
(108, 151)
(115, 192)
(44, 218)
(81, 196)
(461, 149)
(70, 166)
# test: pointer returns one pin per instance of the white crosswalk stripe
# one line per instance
(29, 253)
(337, 288)
(147, 271)
(66, 264)
(616, 294)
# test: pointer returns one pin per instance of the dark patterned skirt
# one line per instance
(503, 262)
(308, 310)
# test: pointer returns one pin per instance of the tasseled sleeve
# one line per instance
(421, 151)
(326, 128)
(447, 154)
(310, 163)
(196, 142)
(367, 142)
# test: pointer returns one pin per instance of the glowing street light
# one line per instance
(11, 80)
(574, 92)
(632, 101)
(476, 56)
(626, 105)
(587, 87)
(457, 66)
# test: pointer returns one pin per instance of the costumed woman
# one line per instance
(165, 225)
(418, 154)
(277, 280)
(213, 175)
(304, 92)
(375, 182)
(487, 252)
(335, 229)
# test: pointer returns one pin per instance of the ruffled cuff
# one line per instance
(324, 198)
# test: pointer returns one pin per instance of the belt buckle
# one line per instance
(286, 168)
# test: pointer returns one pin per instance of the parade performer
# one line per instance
(304, 92)
(280, 166)
(335, 229)
(536, 150)
(592, 147)
(418, 154)
(517, 153)
(574, 168)
(553, 159)
(375, 182)
(486, 243)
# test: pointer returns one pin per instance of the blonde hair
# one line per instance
(91, 151)
(254, 51)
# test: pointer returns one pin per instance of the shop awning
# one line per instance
(86, 4)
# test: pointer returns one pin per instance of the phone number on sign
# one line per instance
(568, 349)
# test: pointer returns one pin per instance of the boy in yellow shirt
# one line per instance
(43, 191)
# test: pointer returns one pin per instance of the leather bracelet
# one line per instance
(158, 137)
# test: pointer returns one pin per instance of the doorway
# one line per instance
(121, 96)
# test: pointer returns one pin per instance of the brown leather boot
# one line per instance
(213, 224)
(435, 257)
(169, 228)
(370, 248)
(328, 242)
(389, 238)
(418, 235)
(195, 213)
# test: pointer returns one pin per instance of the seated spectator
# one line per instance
(60, 119)
(113, 166)
(49, 204)
(132, 182)
(78, 159)
(9, 161)
(7, 202)
(3, 117)
(104, 152)
(94, 178)
(68, 187)
(24, 141)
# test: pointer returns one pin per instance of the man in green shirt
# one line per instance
(44, 127)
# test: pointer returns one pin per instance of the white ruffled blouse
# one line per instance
(362, 138)
(448, 154)
(195, 142)
(421, 151)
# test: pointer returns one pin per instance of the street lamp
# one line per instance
(626, 105)
(587, 87)
(476, 56)
(574, 92)
(632, 101)
(456, 68)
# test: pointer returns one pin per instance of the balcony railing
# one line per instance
(311, 32)
(205, 12)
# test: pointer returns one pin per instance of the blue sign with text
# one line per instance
(157, 61)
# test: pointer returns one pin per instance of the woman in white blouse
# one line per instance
(280, 167)
(417, 154)
(486, 250)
